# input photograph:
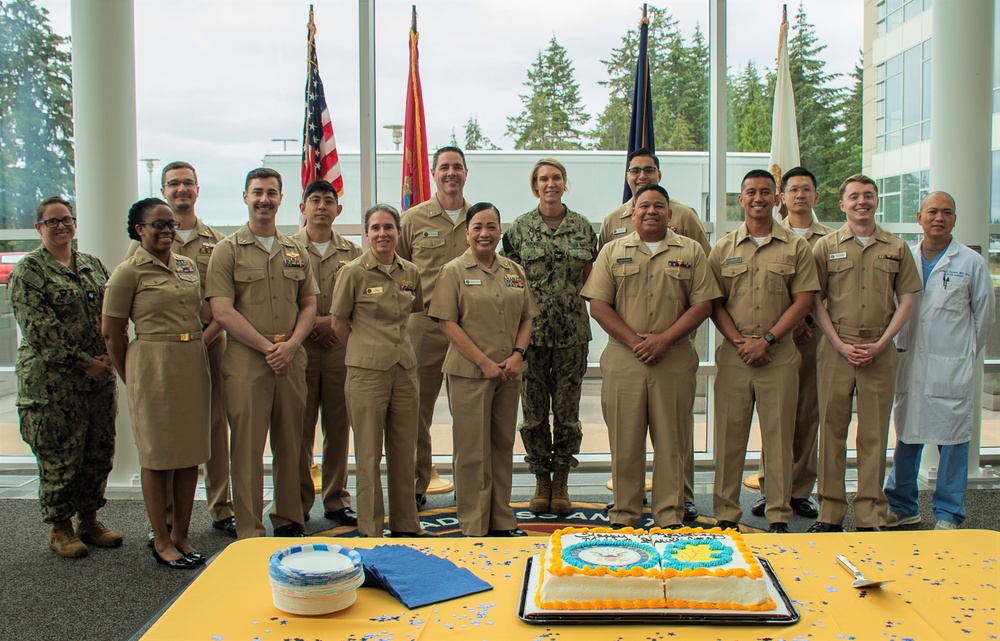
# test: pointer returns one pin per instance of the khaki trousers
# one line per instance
(806, 424)
(485, 414)
(261, 404)
(430, 347)
(773, 390)
(637, 399)
(383, 409)
(874, 385)
(326, 375)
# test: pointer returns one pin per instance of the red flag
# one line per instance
(416, 169)
(319, 147)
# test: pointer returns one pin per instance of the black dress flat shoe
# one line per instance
(759, 507)
(804, 507)
(728, 525)
(410, 535)
(778, 528)
(195, 557)
(290, 530)
(182, 563)
(515, 532)
(343, 516)
(690, 510)
(226, 526)
(821, 527)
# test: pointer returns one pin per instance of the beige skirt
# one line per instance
(169, 395)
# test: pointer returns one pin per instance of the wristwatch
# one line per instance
(523, 353)
(769, 337)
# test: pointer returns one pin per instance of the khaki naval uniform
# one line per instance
(649, 292)
(381, 389)
(807, 409)
(758, 284)
(429, 239)
(489, 305)
(685, 222)
(198, 248)
(326, 374)
(860, 284)
(166, 365)
(265, 288)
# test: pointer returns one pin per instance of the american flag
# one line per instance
(319, 148)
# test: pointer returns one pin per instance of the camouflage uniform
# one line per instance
(66, 418)
(554, 263)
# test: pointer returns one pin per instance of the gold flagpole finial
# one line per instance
(784, 13)
(644, 20)
(312, 24)
(413, 18)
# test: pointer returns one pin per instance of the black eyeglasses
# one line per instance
(177, 183)
(160, 225)
(52, 223)
(649, 171)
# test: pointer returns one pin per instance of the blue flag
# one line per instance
(640, 129)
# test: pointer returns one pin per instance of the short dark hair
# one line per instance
(797, 171)
(389, 209)
(444, 150)
(177, 164)
(262, 173)
(857, 178)
(137, 213)
(51, 200)
(651, 187)
(757, 173)
(478, 207)
(642, 152)
(322, 186)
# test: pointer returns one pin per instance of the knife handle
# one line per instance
(848, 565)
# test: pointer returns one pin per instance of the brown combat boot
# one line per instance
(93, 532)
(543, 492)
(560, 492)
(64, 541)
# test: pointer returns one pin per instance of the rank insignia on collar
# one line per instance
(513, 280)
(406, 285)
(678, 263)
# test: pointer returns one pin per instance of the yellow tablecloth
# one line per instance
(946, 587)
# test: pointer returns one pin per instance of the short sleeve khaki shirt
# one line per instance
(488, 304)
(860, 282)
(813, 234)
(429, 239)
(758, 282)
(265, 287)
(325, 267)
(378, 306)
(683, 220)
(650, 291)
(159, 298)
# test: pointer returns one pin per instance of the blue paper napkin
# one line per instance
(417, 579)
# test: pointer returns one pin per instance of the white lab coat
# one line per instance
(949, 326)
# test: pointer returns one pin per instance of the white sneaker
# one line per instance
(945, 525)
(895, 520)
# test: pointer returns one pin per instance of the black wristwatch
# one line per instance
(769, 337)
(523, 353)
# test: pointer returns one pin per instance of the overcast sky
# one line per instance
(218, 79)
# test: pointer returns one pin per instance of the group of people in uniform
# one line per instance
(265, 334)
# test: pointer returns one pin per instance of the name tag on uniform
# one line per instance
(373, 290)
(734, 259)
(838, 255)
(627, 259)
(620, 230)
(473, 281)
(430, 234)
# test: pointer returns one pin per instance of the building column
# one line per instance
(106, 167)
(961, 130)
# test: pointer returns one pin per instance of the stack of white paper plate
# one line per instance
(315, 578)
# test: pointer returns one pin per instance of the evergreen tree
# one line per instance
(681, 138)
(750, 110)
(453, 142)
(474, 136)
(553, 115)
(36, 112)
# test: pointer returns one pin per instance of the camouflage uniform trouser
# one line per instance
(552, 374)
(73, 439)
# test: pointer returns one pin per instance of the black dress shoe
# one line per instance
(778, 528)
(673, 526)
(182, 563)
(820, 526)
(759, 507)
(804, 507)
(421, 501)
(291, 530)
(343, 516)
(728, 525)
(410, 535)
(877, 528)
(195, 557)
(226, 526)
(515, 532)
(690, 510)
(619, 526)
